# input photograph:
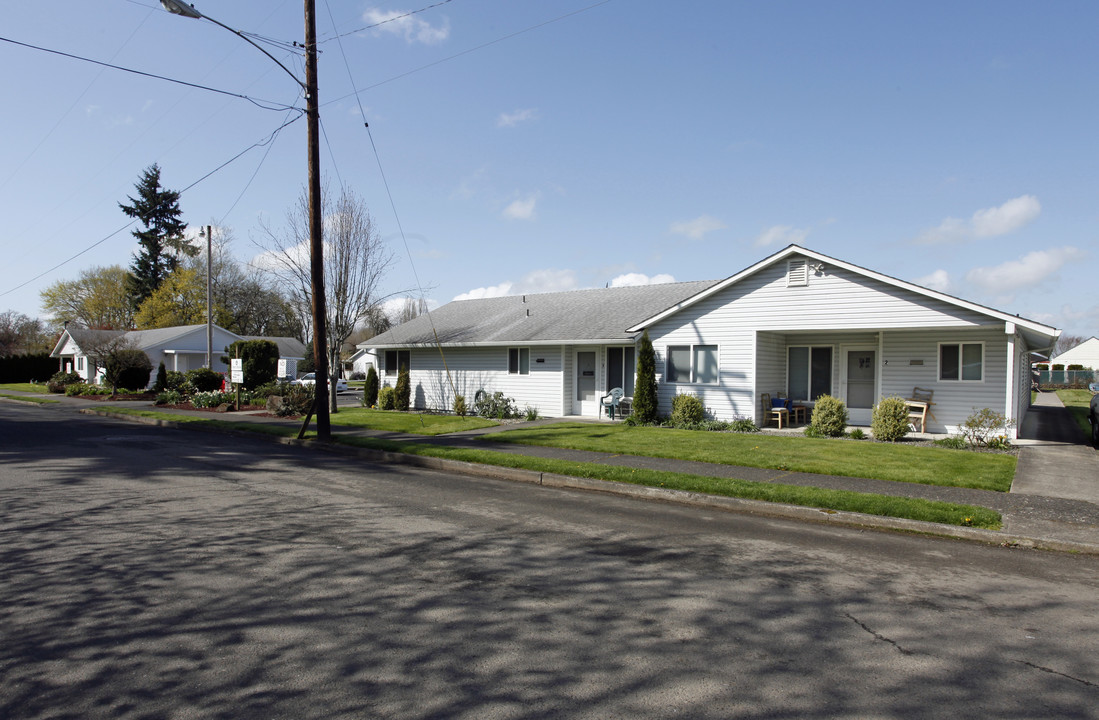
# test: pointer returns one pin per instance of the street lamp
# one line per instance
(316, 246)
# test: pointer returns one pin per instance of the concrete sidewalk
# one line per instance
(1053, 503)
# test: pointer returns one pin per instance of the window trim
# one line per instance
(961, 344)
(691, 369)
(519, 368)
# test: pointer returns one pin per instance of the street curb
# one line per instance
(760, 508)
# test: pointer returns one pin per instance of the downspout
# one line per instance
(1010, 411)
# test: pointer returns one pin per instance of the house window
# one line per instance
(80, 363)
(692, 364)
(961, 361)
(621, 369)
(395, 360)
(809, 372)
(519, 361)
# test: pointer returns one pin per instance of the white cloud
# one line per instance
(785, 234)
(538, 281)
(412, 28)
(938, 280)
(514, 118)
(1032, 270)
(990, 222)
(633, 278)
(697, 228)
(521, 209)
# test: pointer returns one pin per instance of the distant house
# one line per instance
(180, 348)
(1085, 354)
(797, 322)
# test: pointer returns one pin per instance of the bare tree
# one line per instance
(20, 334)
(411, 309)
(355, 263)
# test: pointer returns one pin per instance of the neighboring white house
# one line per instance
(1085, 354)
(180, 348)
(797, 322)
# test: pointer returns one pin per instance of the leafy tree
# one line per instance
(180, 300)
(161, 237)
(403, 392)
(645, 400)
(370, 387)
(260, 361)
(97, 300)
(22, 335)
(355, 263)
(128, 368)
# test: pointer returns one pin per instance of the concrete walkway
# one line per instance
(1053, 503)
(1056, 459)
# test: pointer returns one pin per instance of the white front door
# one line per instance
(860, 382)
(586, 397)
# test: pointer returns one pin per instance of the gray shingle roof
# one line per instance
(576, 316)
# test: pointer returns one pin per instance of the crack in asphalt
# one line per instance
(879, 636)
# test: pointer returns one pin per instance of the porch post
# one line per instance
(1012, 382)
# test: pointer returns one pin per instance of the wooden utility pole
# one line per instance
(316, 231)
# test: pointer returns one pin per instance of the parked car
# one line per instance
(311, 379)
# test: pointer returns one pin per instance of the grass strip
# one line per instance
(844, 500)
(826, 499)
(410, 423)
(26, 387)
(848, 458)
(30, 398)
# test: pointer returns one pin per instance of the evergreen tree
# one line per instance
(370, 388)
(403, 392)
(161, 236)
(645, 401)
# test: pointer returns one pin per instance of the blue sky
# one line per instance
(565, 144)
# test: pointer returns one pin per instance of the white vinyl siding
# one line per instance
(473, 369)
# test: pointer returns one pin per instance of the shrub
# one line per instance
(267, 390)
(829, 416)
(530, 414)
(61, 380)
(889, 422)
(687, 410)
(127, 368)
(296, 400)
(986, 426)
(178, 381)
(169, 397)
(857, 434)
(161, 383)
(211, 399)
(953, 442)
(1057, 367)
(370, 389)
(494, 406)
(402, 394)
(645, 401)
(386, 399)
(743, 425)
(813, 431)
(205, 379)
(260, 360)
(357, 375)
(460, 408)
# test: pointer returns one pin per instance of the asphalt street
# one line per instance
(152, 572)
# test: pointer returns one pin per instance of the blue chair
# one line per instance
(611, 400)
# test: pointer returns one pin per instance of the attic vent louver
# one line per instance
(797, 273)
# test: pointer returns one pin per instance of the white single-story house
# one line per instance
(1085, 354)
(180, 348)
(798, 322)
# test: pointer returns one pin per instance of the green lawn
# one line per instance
(850, 458)
(26, 398)
(399, 422)
(842, 500)
(1078, 403)
(25, 387)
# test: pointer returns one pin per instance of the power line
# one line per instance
(482, 46)
(254, 101)
(382, 22)
(269, 140)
